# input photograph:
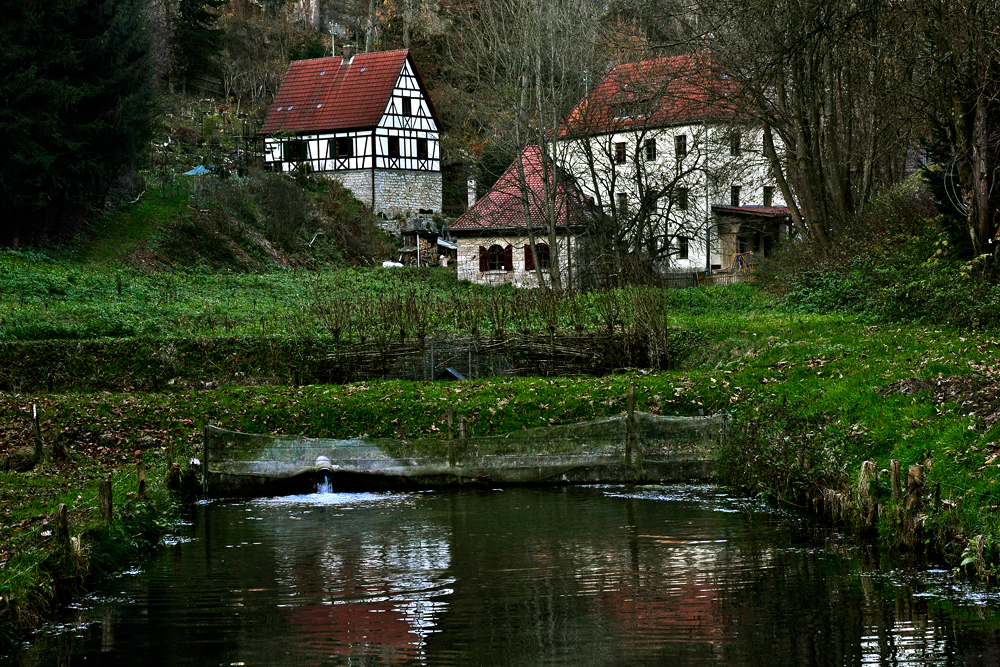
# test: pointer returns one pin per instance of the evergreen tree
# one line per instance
(197, 40)
(76, 103)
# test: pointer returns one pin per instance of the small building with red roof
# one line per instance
(364, 119)
(529, 221)
(668, 152)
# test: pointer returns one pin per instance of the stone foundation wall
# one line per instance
(397, 192)
(468, 261)
(407, 192)
(357, 181)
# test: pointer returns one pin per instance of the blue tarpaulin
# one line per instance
(197, 171)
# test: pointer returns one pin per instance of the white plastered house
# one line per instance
(660, 146)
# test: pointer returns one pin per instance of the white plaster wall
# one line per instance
(708, 171)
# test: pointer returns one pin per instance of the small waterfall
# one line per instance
(324, 485)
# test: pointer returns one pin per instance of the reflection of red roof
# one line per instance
(326, 94)
(379, 626)
(654, 93)
(503, 207)
(765, 211)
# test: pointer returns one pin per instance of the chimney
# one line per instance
(472, 190)
(348, 54)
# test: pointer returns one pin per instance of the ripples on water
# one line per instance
(619, 575)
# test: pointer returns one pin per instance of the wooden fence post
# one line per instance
(36, 428)
(914, 486)
(451, 441)
(173, 476)
(463, 431)
(894, 473)
(62, 529)
(204, 457)
(140, 469)
(630, 423)
(106, 500)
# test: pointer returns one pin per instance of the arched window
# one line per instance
(495, 257)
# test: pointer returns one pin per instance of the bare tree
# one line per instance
(534, 56)
(825, 78)
(958, 88)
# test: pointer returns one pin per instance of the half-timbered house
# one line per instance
(364, 119)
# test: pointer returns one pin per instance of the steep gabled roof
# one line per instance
(655, 93)
(502, 208)
(326, 94)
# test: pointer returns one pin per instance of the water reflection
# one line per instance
(593, 575)
(372, 588)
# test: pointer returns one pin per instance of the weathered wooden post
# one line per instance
(204, 457)
(895, 469)
(914, 486)
(463, 431)
(140, 470)
(36, 428)
(630, 424)
(62, 529)
(867, 508)
(105, 500)
(173, 476)
(451, 441)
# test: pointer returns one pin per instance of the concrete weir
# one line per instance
(438, 473)
(638, 447)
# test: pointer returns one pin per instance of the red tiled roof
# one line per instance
(503, 206)
(325, 94)
(655, 93)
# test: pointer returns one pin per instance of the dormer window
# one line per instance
(630, 110)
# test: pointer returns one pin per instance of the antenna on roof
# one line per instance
(334, 31)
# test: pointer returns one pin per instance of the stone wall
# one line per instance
(358, 181)
(468, 261)
(398, 192)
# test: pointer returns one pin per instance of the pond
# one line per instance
(578, 575)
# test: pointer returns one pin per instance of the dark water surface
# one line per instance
(613, 575)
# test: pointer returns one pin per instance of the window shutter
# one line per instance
(484, 260)
(529, 260)
(508, 258)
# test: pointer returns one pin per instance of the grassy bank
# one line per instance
(812, 397)
(822, 378)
